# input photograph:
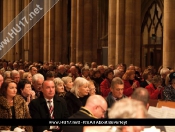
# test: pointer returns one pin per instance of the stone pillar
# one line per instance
(80, 31)
(132, 32)
(112, 32)
(169, 31)
(73, 29)
(120, 31)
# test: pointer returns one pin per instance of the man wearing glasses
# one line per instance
(116, 93)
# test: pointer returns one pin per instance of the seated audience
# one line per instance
(48, 106)
(50, 75)
(67, 83)
(25, 90)
(59, 87)
(106, 83)
(1, 80)
(147, 76)
(155, 89)
(169, 91)
(15, 76)
(12, 106)
(116, 94)
(28, 76)
(61, 71)
(130, 84)
(7, 75)
(92, 89)
(78, 95)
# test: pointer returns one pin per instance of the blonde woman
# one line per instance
(28, 76)
(59, 87)
(68, 83)
(78, 95)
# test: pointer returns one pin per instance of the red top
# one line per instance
(128, 87)
(105, 87)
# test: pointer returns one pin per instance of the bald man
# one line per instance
(95, 108)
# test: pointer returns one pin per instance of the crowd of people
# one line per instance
(53, 90)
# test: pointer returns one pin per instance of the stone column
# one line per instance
(73, 29)
(112, 32)
(120, 31)
(80, 31)
(169, 31)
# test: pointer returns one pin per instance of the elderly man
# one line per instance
(95, 108)
(37, 81)
(48, 106)
(33, 70)
(15, 76)
(117, 87)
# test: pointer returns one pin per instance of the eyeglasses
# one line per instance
(104, 111)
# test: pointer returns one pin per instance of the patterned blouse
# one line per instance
(169, 93)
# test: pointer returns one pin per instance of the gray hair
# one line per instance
(79, 81)
(37, 76)
(13, 73)
(127, 108)
(116, 80)
(66, 79)
(57, 81)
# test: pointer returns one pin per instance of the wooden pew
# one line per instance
(165, 103)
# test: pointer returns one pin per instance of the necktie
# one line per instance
(50, 109)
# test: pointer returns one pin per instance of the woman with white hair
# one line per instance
(78, 95)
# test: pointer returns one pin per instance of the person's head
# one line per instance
(97, 105)
(128, 108)
(96, 73)
(109, 74)
(15, 75)
(1, 80)
(59, 85)
(131, 67)
(8, 88)
(147, 75)
(92, 89)
(50, 75)
(46, 65)
(33, 70)
(93, 65)
(24, 87)
(163, 72)
(67, 82)
(117, 87)
(141, 94)
(157, 80)
(28, 76)
(73, 70)
(129, 75)
(172, 79)
(80, 87)
(37, 81)
(117, 73)
(85, 71)
(101, 69)
(61, 69)
(48, 89)
(7, 75)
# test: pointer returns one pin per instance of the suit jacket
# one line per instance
(39, 110)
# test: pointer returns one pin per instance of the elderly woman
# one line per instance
(106, 83)
(169, 91)
(129, 82)
(92, 89)
(12, 106)
(155, 89)
(78, 95)
(28, 76)
(25, 90)
(59, 87)
(67, 83)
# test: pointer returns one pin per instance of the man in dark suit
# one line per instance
(48, 106)
(95, 108)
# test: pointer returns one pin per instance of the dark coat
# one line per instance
(21, 111)
(144, 84)
(83, 113)
(74, 103)
(110, 100)
(39, 110)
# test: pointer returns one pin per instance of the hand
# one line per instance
(134, 85)
(32, 93)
